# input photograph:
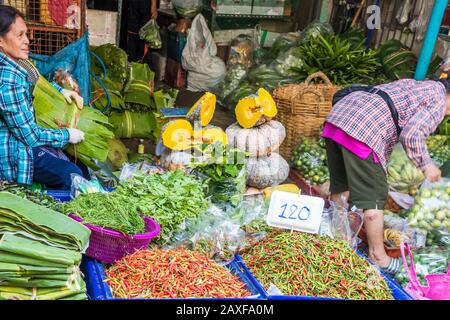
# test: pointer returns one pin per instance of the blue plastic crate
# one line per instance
(60, 195)
(98, 289)
(397, 292)
(64, 195)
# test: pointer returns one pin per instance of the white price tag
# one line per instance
(295, 212)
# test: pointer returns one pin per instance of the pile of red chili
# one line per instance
(172, 274)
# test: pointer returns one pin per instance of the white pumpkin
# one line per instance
(173, 160)
(267, 171)
(258, 141)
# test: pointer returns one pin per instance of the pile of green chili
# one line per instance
(301, 264)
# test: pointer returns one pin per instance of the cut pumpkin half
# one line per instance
(212, 134)
(203, 110)
(255, 110)
(177, 135)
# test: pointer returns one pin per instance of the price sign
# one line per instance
(295, 212)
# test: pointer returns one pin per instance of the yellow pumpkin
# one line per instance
(177, 135)
(256, 109)
(203, 110)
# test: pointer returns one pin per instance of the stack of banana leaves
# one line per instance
(52, 111)
(40, 252)
(99, 95)
(138, 91)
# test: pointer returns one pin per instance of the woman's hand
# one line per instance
(432, 173)
(69, 95)
(75, 136)
(154, 10)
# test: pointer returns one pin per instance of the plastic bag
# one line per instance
(241, 51)
(188, 8)
(266, 77)
(315, 29)
(235, 75)
(310, 160)
(404, 11)
(402, 199)
(427, 261)
(431, 208)
(81, 185)
(150, 34)
(129, 169)
(340, 223)
(283, 43)
(205, 69)
(398, 230)
(222, 231)
(403, 175)
(438, 237)
(288, 60)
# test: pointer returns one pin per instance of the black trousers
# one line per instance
(138, 16)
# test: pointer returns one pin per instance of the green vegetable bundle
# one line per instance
(170, 198)
(150, 34)
(107, 210)
(225, 173)
(342, 61)
(310, 159)
(301, 264)
(52, 111)
(133, 124)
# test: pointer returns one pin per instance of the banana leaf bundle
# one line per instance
(138, 91)
(99, 98)
(115, 61)
(19, 215)
(40, 252)
(52, 111)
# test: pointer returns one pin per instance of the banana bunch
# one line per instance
(392, 237)
(403, 176)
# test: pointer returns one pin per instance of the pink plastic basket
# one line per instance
(109, 246)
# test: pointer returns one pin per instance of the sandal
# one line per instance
(393, 267)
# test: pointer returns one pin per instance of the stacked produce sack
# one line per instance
(257, 134)
(40, 252)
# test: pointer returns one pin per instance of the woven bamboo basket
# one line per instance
(302, 109)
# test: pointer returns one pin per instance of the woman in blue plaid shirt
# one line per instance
(24, 154)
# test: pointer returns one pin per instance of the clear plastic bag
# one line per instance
(150, 34)
(80, 185)
(398, 230)
(129, 169)
(340, 223)
(188, 8)
(235, 75)
(219, 233)
(287, 61)
(241, 51)
(433, 260)
(431, 208)
(310, 160)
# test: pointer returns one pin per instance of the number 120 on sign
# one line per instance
(295, 212)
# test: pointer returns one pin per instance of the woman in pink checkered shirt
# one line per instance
(360, 133)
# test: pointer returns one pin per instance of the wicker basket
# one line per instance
(302, 109)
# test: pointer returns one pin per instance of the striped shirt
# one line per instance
(367, 118)
(19, 132)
